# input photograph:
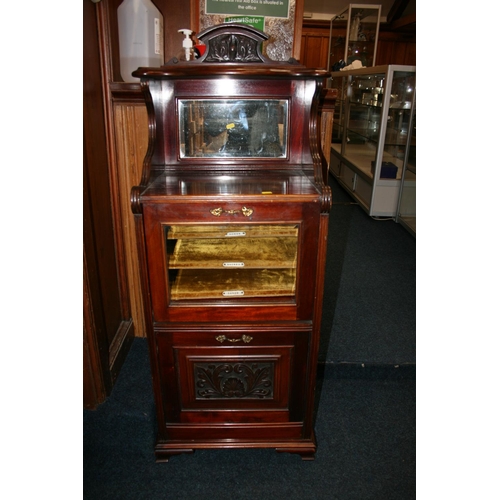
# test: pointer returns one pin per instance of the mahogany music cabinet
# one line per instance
(232, 218)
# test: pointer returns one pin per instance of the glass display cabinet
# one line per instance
(361, 38)
(407, 206)
(372, 139)
(231, 217)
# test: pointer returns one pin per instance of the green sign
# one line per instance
(254, 21)
(265, 8)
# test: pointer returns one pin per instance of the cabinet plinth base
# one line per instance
(305, 448)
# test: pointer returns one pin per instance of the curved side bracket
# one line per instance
(135, 192)
(135, 200)
(326, 199)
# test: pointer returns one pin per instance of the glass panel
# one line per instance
(398, 124)
(354, 35)
(362, 35)
(231, 261)
(408, 201)
(412, 152)
(338, 131)
(221, 128)
(363, 129)
(377, 110)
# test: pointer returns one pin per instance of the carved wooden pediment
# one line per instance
(233, 43)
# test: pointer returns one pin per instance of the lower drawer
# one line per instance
(233, 376)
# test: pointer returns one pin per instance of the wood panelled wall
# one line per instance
(394, 47)
(131, 139)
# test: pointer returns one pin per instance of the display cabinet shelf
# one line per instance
(214, 284)
(234, 252)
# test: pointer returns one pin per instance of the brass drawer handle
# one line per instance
(245, 338)
(219, 211)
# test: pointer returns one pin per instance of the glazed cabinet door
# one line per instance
(233, 262)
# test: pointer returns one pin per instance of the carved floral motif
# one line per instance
(233, 48)
(238, 380)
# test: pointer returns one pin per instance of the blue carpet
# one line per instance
(365, 428)
(370, 288)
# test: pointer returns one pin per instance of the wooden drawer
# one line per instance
(233, 375)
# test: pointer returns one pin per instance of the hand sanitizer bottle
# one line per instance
(187, 53)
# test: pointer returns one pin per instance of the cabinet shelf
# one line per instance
(360, 159)
(233, 283)
(364, 105)
(207, 253)
(359, 135)
(236, 230)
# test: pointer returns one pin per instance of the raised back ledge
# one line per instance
(233, 49)
(192, 69)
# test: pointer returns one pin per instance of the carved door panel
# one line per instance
(231, 266)
(233, 375)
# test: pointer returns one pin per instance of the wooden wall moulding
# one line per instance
(231, 217)
(108, 327)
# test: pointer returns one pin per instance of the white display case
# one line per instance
(371, 138)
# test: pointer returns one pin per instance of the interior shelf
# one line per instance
(208, 253)
(225, 231)
(361, 159)
(232, 283)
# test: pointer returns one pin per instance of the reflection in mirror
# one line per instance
(221, 128)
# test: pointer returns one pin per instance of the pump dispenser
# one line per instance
(187, 53)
